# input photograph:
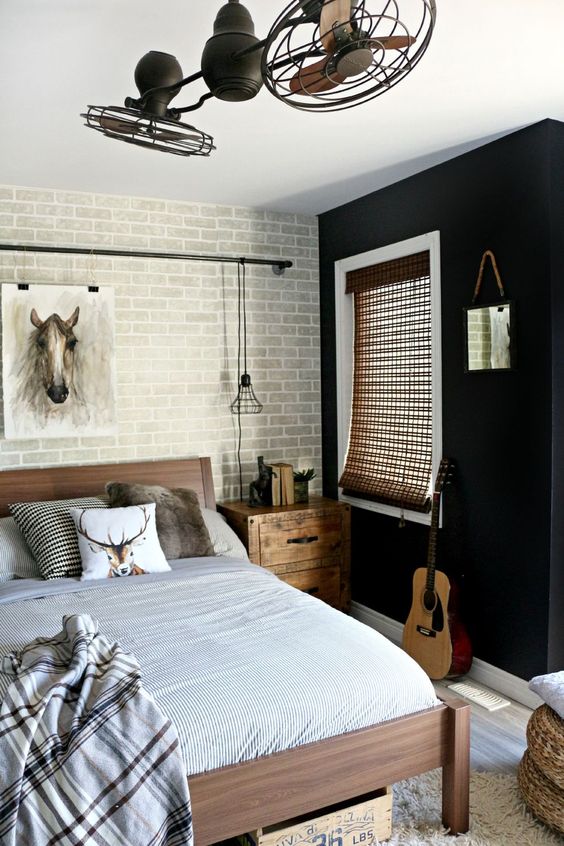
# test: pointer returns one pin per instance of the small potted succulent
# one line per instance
(302, 479)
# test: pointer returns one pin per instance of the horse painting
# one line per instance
(48, 372)
(58, 361)
(53, 348)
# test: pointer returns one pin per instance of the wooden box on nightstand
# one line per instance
(306, 545)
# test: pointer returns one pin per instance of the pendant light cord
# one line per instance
(239, 264)
(239, 325)
(239, 455)
(245, 402)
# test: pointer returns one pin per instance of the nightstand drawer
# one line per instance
(323, 583)
(292, 540)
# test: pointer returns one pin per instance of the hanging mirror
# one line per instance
(489, 330)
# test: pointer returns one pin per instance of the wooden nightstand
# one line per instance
(306, 545)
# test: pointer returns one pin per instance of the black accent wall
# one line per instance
(503, 528)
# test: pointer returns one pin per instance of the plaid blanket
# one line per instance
(86, 756)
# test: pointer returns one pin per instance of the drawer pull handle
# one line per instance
(311, 539)
(313, 590)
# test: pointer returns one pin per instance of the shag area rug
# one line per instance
(498, 816)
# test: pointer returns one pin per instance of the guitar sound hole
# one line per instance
(429, 600)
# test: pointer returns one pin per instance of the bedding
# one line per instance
(180, 526)
(243, 664)
(257, 792)
(16, 559)
(49, 531)
(72, 697)
(223, 538)
(118, 542)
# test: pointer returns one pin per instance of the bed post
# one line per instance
(456, 770)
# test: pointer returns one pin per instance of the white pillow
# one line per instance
(550, 688)
(16, 558)
(118, 541)
(225, 541)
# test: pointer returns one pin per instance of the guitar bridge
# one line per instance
(427, 632)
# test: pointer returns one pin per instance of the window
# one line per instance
(389, 376)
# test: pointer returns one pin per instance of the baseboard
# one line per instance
(499, 680)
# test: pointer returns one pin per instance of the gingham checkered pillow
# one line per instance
(51, 535)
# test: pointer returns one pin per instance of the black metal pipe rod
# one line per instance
(280, 264)
(186, 81)
(201, 101)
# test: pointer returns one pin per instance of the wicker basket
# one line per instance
(542, 796)
(545, 738)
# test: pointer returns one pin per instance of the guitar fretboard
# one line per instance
(432, 548)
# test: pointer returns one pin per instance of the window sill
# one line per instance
(387, 510)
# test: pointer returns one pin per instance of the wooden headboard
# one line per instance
(89, 480)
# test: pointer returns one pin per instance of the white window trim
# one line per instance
(344, 317)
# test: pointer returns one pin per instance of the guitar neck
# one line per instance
(432, 548)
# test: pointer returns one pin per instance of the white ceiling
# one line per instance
(492, 66)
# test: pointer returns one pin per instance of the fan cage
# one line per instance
(294, 43)
(145, 130)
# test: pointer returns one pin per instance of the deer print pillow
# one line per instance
(117, 542)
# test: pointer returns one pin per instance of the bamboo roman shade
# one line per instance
(389, 457)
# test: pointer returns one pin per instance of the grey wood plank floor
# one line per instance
(498, 738)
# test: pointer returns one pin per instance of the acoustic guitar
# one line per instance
(434, 635)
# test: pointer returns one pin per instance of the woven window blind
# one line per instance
(389, 457)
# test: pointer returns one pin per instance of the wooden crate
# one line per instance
(368, 820)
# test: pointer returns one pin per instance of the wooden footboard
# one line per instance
(232, 800)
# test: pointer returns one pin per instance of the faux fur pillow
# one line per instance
(180, 525)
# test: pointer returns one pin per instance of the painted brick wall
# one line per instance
(176, 327)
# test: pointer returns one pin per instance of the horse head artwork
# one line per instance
(120, 553)
(58, 361)
(49, 380)
(54, 344)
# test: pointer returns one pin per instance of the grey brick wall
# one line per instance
(176, 327)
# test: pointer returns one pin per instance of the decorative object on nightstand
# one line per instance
(306, 545)
(282, 483)
(260, 490)
(302, 478)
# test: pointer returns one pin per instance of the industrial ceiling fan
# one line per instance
(319, 55)
(349, 50)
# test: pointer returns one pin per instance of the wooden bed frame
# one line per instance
(240, 798)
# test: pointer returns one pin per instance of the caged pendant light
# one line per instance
(245, 402)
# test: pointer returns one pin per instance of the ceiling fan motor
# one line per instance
(157, 70)
(228, 74)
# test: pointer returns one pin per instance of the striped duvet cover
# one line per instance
(243, 664)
